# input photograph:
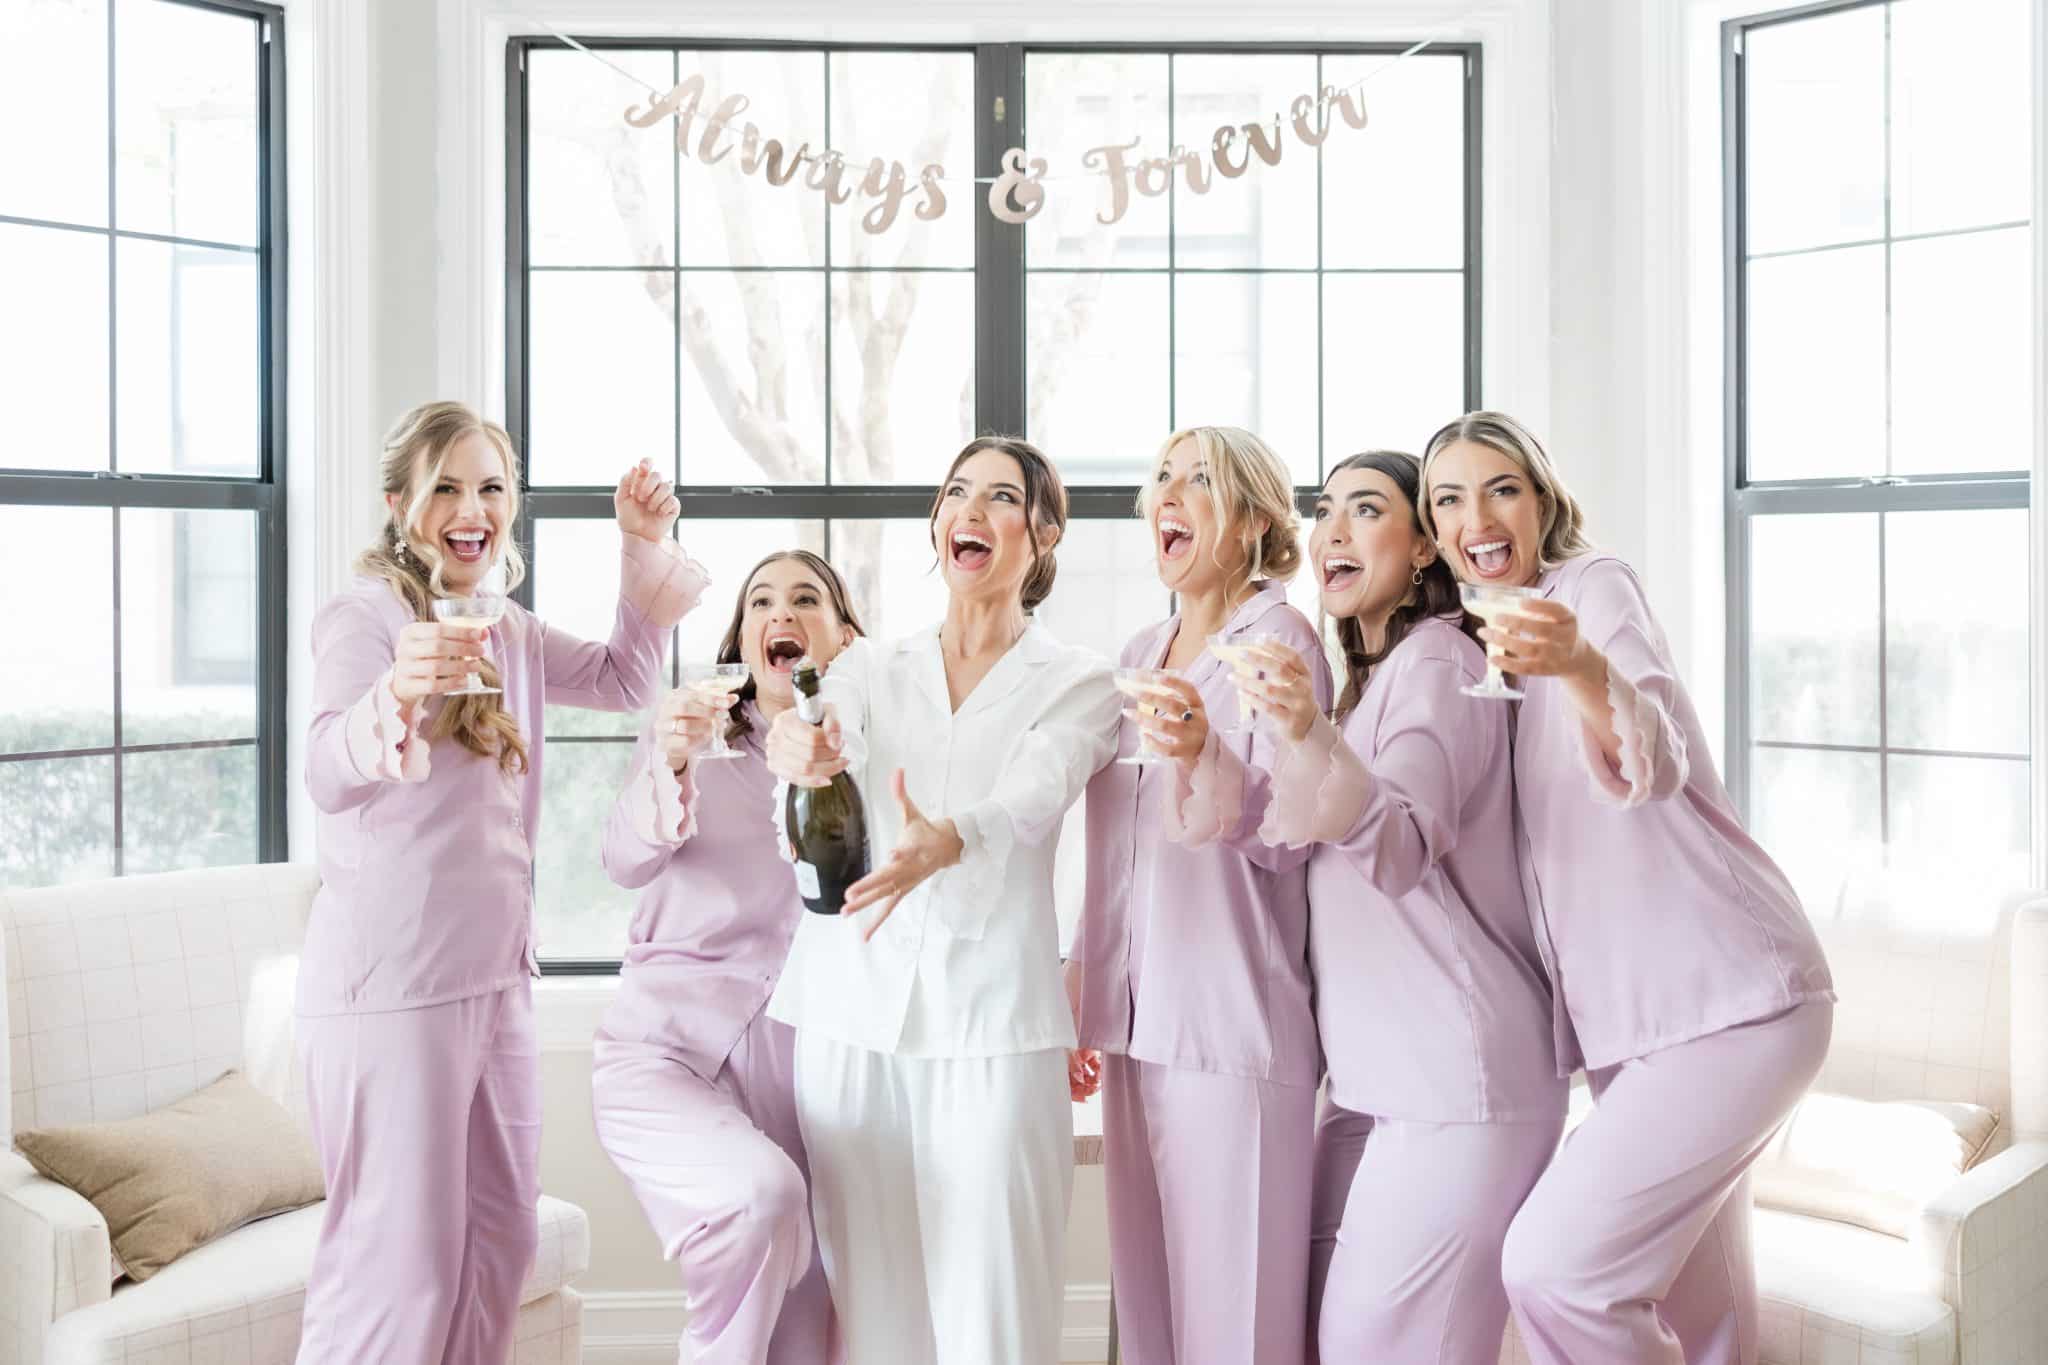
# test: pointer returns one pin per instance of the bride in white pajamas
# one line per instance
(932, 1027)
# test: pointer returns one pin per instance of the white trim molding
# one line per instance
(642, 1327)
(2038, 490)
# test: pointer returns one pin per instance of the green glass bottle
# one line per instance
(827, 826)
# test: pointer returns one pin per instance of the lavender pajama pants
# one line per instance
(1408, 1225)
(428, 1125)
(719, 1167)
(1209, 1181)
(1633, 1249)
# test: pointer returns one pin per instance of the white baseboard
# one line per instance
(642, 1327)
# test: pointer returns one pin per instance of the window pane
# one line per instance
(1815, 118)
(1077, 101)
(187, 122)
(56, 821)
(1956, 652)
(1959, 825)
(902, 374)
(1813, 616)
(1816, 365)
(890, 569)
(53, 347)
(1266, 217)
(188, 808)
(190, 332)
(188, 625)
(1394, 191)
(734, 219)
(1245, 355)
(1097, 383)
(599, 191)
(911, 107)
(753, 377)
(1393, 360)
(603, 375)
(53, 57)
(1962, 350)
(57, 674)
(1817, 813)
(576, 590)
(1959, 114)
(578, 912)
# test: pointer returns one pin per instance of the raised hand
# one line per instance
(645, 503)
(433, 658)
(1540, 639)
(1276, 680)
(803, 754)
(925, 847)
(683, 725)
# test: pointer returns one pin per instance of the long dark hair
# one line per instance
(1045, 504)
(1435, 595)
(729, 647)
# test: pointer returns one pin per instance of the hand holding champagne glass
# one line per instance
(1239, 654)
(715, 685)
(1490, 602)
(483, 608)
(1147, 689)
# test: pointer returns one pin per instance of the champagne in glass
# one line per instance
(715, 684)
(1489, 602)
(484, 607)
(828, 825)
(1147, 688)
(1236, 652)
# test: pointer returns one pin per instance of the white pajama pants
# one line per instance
(939, 1187)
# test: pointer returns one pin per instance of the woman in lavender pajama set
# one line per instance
(693, 1083)
(1443, 1103)
(1688, 981)
(415, 1005)
(1192, 960)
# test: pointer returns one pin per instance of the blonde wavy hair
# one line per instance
(415, 449)
(1247, 481)
(1563, 521)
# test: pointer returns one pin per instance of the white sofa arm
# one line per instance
(1986, 1237)
(54, 1257)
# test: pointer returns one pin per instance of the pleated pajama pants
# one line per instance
(1634, 1247)
(1209, 1181)
(719, 1168)
(1408, 1225)
(940, 1189)
(428, 1126)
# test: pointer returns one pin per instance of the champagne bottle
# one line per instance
(827, 826)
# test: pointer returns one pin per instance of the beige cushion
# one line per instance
(1869, 1163)
(183, 1175)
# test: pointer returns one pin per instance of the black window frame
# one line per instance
(1748, 499)
(262, 494)
(1000, 275)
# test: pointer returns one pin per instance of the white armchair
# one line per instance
(123, 996)
(1932, 1008)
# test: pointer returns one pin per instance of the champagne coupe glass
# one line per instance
(483, 607)
(1146, 687)
(1489, 602)
(1236, 652)
(716, 684)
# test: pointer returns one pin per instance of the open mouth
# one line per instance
(971, 550)
(467, 547)
(1176, 537)
(783, 651)
(1340, 572)
(1489, 558)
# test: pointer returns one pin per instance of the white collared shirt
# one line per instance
(968, 965)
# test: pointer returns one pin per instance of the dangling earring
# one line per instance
(398, 550)
(1416, 578)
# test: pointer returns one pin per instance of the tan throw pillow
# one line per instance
(1869, 1163)
(180, 1176)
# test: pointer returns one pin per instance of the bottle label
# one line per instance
(807, 880)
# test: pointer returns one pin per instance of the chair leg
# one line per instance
(1113, 1354)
